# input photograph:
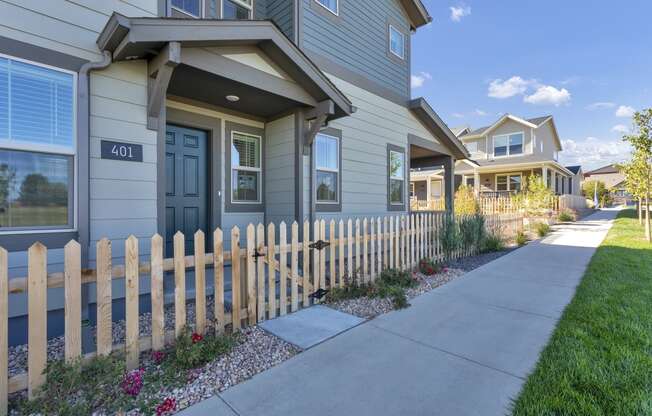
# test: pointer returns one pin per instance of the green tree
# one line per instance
(640, 168)
(465, 202)
(589, 191)
(537, 197)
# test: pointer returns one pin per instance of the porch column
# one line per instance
(448, 163)
(544, 176)
(428, 191)
(476, 183)
(553, 179)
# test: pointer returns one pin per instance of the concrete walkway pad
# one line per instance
(311, 326)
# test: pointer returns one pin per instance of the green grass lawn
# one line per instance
(599, 359)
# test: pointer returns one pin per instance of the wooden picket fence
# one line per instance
(329, 256)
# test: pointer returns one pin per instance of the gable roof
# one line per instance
(460, 131)
(417, 13)
(534, 123)
(604, 170)
(424, 112)
(574, 169)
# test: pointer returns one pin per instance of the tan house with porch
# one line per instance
(506, 153)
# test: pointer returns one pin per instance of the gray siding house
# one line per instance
(122, 117)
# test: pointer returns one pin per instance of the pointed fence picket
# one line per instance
(269, 277)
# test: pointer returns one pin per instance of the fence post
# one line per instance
(179, 283)
(260, 266)
(306, 264)
(349, 244)
(365, 248)
(218, 279)
(104, 298)
(200, 282)
(36, 318)
(322, 256)
(315, 260)
(379, 254)
(332, 259)
(340, 247)
(4, 331)
(132, 334)
(390, 253)
(387, 242)
(372, 250)
(251, 275)
(236, 294)
(283, 269)
(72, 304)
(358, 266)
(294, 268)
(271, 270)
(158, 299)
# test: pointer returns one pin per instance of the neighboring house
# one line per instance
(613, 179)
(427, 191)
(506, 153)
(575, 184)
(122, 117)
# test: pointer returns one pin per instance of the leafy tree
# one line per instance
(37, 190)
(589, 191)
(465, 202)
(537, 197)
(640, 168)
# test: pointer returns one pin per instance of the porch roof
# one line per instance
(424, 112)
(147, 38)
(514, 163)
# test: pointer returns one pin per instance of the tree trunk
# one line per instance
(640, 211)
(647, 218)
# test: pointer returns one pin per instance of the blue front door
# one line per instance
(186, 193)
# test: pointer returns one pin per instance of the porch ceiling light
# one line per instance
(232, 98)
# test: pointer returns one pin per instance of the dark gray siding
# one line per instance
(282, 13)
(260, 9)
(357, 40)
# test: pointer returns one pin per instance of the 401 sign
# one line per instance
(122, 151)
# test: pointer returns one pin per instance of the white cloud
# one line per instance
(625, 111)
(457, 13)
(508, 88)
(418, 80)
(547, 94)
(458, 115)
(592, 152)
(479, 112)
(620, 128)
(601, 105)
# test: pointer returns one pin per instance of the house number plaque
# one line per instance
(122, 151)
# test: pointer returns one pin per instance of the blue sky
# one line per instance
(588, 63)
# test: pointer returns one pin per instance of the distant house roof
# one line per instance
(574, 169)
(460, 131)
(603, 170)
(536, 121)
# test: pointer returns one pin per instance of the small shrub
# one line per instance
(521, 238)
(429, 267)
(450, 238)
(350, 291)
(193, 350)
(566, 216)
(395, 277)
(391, 284)
(493, 242)
(465, 201)
(542, 229)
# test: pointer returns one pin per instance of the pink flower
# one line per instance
(196, 338)
(132, 382)
(168, 405)
(158, 357)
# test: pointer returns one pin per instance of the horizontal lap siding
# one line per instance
(65, 26)
(282, 13)
(358, 39)
(279, 170)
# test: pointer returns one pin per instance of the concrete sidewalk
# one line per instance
(462, 349)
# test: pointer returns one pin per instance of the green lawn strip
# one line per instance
(599, 359)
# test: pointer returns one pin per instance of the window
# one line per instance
(331, 5)
(470, 181)
(246, 171)
(191, 7)
(237, 9)
(472, 147)
(396, 42)
(327, 168)
(37, 146)
(510, 182)
(396, 177)
(508, 144)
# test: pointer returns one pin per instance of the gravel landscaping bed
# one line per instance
(473, 262)
(368, 308)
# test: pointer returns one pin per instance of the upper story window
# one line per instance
(396, 42)
(472, 147)
(508, 144)
(246, 168)
(327, 166)
(191, 7)
(237, 9)
(331, 5)
(37, 146)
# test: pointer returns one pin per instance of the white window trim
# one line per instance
(53, 149)
(390, 41)
(403, 179)
(259, 188)
(250, 7)
(493, 145)
(336, 12)
(337, 171)
(520, 174)
(201, 10)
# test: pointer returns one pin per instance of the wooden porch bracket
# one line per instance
(315, 120)
(160, 70)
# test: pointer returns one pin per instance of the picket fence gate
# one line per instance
(360, 248)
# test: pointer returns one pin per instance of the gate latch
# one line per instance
(319, 245)
(319, 294)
